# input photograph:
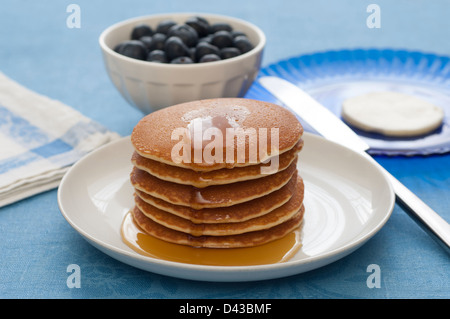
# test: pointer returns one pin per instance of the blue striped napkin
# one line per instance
(40, 139)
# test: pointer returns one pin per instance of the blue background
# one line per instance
(39, 51)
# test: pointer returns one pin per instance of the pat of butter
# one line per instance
(392, 114)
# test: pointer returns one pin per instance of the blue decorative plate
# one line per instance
(333, 76)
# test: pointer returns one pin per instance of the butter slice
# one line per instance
(392, 114)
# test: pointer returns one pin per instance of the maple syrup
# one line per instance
(276, 251)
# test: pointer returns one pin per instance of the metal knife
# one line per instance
(332, 128)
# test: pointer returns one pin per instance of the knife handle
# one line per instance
(421, 213)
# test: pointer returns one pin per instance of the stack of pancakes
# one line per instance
(229, 202)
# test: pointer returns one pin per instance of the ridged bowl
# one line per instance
(150, 86)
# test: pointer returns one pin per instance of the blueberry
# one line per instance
(209, 58)
(236, 33)
(175, 48)
(204, 48)
(199, 24)
(229, 52)
(157, 56)
(134, 49)
(196, 40)
(206, 39)
(182, 60)
(192, 54)
(203, 20)
(220, 27)
(118, 47)
(242, 43)
(222, 39)
(157, 42)
(164, 26)
(140, 31)
(186, 33)
(147, 41)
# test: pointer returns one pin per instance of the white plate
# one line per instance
(347, 201)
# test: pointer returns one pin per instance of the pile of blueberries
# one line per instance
(195, 41)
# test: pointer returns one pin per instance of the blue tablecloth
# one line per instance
(42, 53)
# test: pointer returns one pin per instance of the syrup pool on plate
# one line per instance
(276, 251)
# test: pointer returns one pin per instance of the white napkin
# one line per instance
(40, 139)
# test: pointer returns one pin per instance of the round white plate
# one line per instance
(347, 201)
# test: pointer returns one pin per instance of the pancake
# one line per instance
(273, 218)
(218, 173)
(212, 196)
(202, 179)
(231, 214)
(161, 135)
(248, 239)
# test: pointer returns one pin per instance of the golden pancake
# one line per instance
(231, 214)
(249, 239)
(212, 196)
(165, 135)
(273, 218)
(202, 179)
(218, 173)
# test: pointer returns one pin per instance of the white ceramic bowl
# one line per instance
(150, 86)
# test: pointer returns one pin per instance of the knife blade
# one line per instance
(327, 124)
